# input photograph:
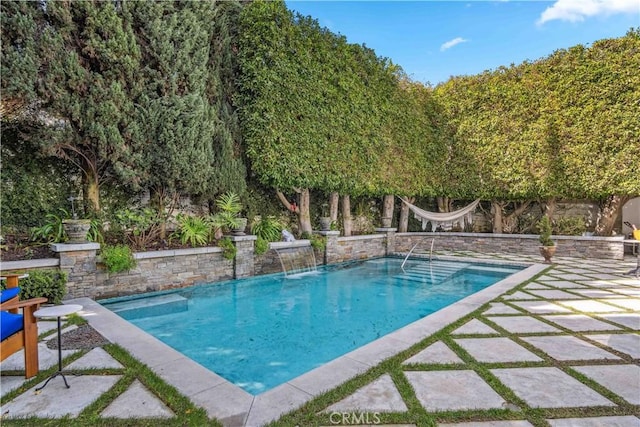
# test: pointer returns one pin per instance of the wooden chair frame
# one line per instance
(26, 338)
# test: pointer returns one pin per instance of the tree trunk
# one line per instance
(445, 204)
(346, 215)
(334, 199)
(403, 223)
(610, 210)
(302, 210)
(157, 199)
(388, 203)
(304, 215)
(496, 216)
(550, 207)
(510, 222)
(91, 192)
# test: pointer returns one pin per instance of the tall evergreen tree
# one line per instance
(175, 121)
(89, 65)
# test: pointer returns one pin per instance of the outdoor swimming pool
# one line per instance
(263, 331)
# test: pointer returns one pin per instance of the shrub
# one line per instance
(229, 249)
(50, 284)
(268, 228)
(544, 225)
(570, 225)
(52, 230)
(141, 226)
(118, 258)
(262, 246)
(194, 230)
(317, 242)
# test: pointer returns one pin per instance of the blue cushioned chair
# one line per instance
(19, 331)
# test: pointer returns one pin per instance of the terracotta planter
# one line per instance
(76, 230)
(547, 252)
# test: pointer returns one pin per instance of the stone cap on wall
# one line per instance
(72, 247)
(29, 263)
(509, 236)
(295, 244)
(245, 238)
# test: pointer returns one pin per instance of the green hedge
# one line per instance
(51, 284)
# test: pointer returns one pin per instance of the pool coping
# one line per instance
(233, 406)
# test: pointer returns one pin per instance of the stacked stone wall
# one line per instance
(526, 244)
(356, 247)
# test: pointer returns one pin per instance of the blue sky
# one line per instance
(433, 40)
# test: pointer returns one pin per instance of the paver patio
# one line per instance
(541, 366)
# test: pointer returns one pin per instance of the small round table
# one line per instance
(57, 311)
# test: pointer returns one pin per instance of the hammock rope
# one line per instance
(440, 218)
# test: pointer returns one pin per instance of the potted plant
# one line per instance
(325, 221)
(76, 229)
(548, 246)
(228, 218)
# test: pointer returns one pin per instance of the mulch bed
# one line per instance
(84, 337)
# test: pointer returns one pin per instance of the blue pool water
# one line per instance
(263, 331)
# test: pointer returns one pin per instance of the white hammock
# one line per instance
(446, 219)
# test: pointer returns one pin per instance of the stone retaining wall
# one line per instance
(526, 244)
(161, 270)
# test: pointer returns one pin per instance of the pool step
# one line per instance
(147, 307)
(431, 273)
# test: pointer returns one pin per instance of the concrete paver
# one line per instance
(510, 423)
(437, 352)
(615, 421)
(630, 303)
(56, 401)
(453, 390)
(623, 380)
(96, 358)
(625, 343)
(580, 322)
(500, 308)
(630, 320)
(496, 350)
(137, 402)
(549, 388)
(380, 395)
(590, 306)
(555, 294)
(519, 296)
(562, 284)
(523, 324)
(476, 327)
(569, 348)
(540, 307)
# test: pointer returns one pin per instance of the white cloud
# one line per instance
(452, 43)
(578, 10)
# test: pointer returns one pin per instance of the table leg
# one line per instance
(59, 360)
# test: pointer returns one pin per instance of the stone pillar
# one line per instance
(78, 260)
(331, 250)
(390, 240)
(243, 263)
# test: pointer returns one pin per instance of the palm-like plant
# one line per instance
(229, 210)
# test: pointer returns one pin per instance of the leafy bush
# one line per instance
(52, 230)
(262, 246)
(229, 249)
(141, 226)
(50, 284)
(317, 242)
(118, 258)
(194, 230)
(544, 227)
(570, 225)
(268, 228)
(229, 210)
